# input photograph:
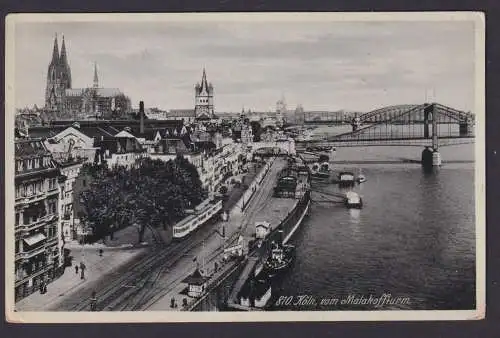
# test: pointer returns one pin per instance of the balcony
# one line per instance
(32, 198)
(23, 276)
(39, 222)
(31, 253)
(51, 241)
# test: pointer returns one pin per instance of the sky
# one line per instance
(322, 65)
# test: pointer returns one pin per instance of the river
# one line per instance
(414, 237)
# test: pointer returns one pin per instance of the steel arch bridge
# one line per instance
(428, 124)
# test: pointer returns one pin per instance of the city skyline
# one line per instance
(321, 65)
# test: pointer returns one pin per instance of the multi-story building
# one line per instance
(78, 103)
(38, 243)
(69, 169)
(246, 134)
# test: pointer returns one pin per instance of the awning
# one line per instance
(34, 239)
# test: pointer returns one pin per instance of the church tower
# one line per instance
(58, 77)
(96, 77)
(204, 99)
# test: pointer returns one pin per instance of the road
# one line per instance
(161, 270)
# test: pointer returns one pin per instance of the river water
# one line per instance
(413, 239)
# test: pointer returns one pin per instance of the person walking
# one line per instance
(76, 269)
(93, 301)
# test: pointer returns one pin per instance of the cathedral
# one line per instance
(80, 103)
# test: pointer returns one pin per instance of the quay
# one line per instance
(222, 279)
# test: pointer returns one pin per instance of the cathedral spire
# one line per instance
(64, 57)
(96, 78)
(55, 52)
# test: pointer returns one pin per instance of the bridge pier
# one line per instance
(431, 157)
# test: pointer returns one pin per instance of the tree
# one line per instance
(256, 130)
(155, 194)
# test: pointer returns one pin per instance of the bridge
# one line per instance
(278, 147)
(425, 125)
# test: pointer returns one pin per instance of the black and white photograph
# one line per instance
(245, 167)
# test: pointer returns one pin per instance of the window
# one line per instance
(20, 191)
(19, 165)
(52, 183)
(36, 163)
(29, 164)
(29, 190)
(17, 218)
(17, 246)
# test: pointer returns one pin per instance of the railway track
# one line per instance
(138, 287)
(128, 289)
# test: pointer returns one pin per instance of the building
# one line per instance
(70, 169)
(80, 103)
(203, 105)
(67, 143)
(197, 283)
(38, 243)
(246, 134)
(185, 115)
(204, 99)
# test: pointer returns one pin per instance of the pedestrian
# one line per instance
(93, 301)
(76, 269)
(82, 270)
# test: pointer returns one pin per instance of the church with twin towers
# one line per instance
(80, 103)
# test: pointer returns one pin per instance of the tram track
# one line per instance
(139, 286)
(127, 286)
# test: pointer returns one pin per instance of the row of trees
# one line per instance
(156, 194)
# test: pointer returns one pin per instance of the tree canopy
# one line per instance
(155, 194)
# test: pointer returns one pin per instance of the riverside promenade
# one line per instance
(211, 250)
(112, 259)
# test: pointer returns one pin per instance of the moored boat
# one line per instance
(353, 200)
(361, 179)
(281, 258)
(346, 178)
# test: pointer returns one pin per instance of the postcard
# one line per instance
(245, 167)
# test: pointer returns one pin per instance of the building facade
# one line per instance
(69, 169)
(38, 242)
(204, 99)
(80, 103)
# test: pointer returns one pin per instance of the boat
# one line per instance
(361, 178)
(280, 259)
(346, 178)
(353, 200)
(320, 171)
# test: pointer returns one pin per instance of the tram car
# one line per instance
(200, 215)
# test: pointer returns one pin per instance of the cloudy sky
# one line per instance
(319, 64)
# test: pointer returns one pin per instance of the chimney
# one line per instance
(141, 112)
